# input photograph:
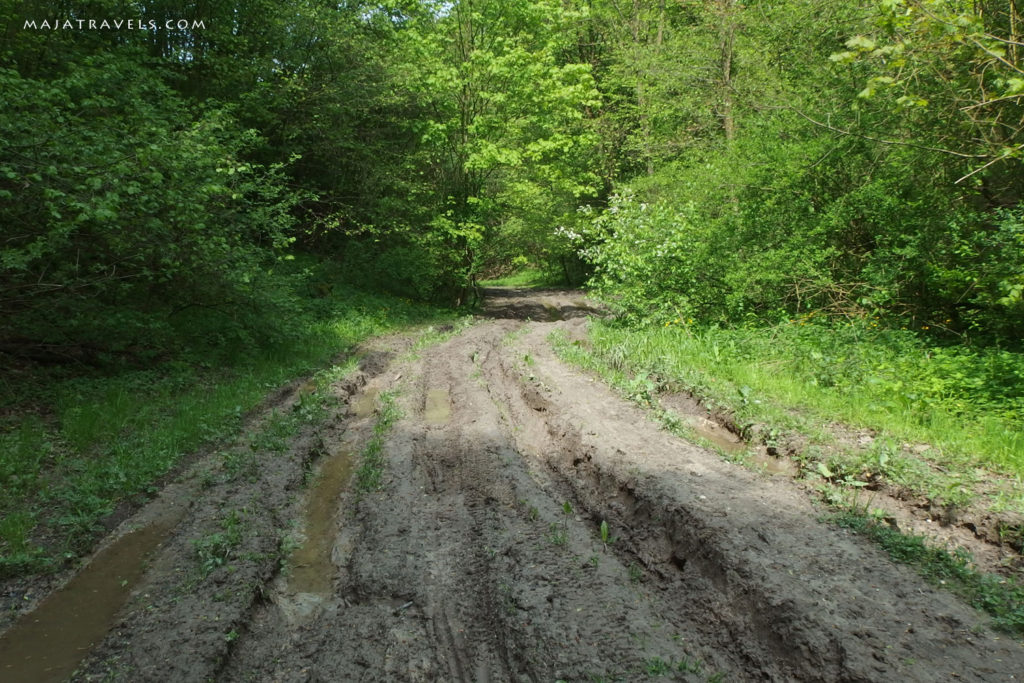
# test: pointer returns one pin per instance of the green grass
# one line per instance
(215, 550)
(967, 404)
(526, 278)
(74, 444)
(369, 476)
(657, 667)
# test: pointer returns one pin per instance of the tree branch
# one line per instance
(901, 143)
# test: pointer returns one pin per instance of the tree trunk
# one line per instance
(727, 34)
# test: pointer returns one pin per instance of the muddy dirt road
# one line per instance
(481, 556)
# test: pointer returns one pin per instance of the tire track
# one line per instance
(480, 558)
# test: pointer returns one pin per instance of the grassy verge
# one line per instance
(75, 443)
(958, 411)
(962, 408)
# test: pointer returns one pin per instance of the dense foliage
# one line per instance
(725, 168)
(848, 174)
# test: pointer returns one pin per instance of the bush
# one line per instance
(128, 209)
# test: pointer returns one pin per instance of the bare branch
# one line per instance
(982, 168)
(998, 99)
(883, 141)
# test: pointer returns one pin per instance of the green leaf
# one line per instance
(861, 43)
(1014, 86)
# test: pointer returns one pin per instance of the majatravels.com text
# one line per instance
(112, 24)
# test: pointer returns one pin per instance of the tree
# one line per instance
(503, 150)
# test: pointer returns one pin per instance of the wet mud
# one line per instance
(48, 643)
(530, 526)
(536, 304)
(312, 571)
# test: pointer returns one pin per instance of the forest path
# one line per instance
(481, 556)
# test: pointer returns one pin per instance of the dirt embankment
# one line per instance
(529, 526)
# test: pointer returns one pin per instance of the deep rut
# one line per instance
(481, 558)
(488, 533)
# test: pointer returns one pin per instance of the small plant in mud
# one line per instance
(687, 665)
(290, 542)
(642, 390)
(560, 532)
(606, 537)
(311, 407)
(274, 435)
(659, 667)
(240, 463)
(370, 474)
(215, 550)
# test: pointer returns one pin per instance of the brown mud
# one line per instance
(530, 526)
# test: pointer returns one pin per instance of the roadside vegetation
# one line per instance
(965, 404)
(79, 441)
(1000, 596)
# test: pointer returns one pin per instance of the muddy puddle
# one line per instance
(729, 443)
(365, 403)
(773, 465)
(312, 569)
(537, 305)
(48, 643)
(553, 313)
(437, 409)
(715, 433)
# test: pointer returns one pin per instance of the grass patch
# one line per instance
(369, 476)
(1001, 597)
(275, 432)
(216, 549)
(657, 667)
(76, 441)
(434, 334)
(526, 278)
(965, 404)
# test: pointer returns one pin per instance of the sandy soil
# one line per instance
(482, 558)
